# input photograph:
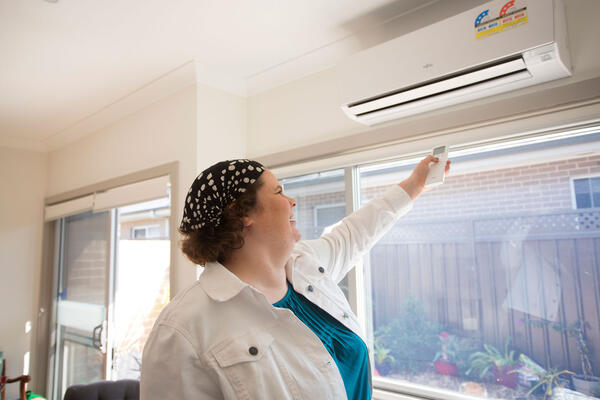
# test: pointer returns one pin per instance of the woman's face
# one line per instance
(273, 218)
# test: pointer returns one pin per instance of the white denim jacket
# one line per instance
(221, 339)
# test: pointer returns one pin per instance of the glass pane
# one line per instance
(82, 301)
(596, 200)
(139, 233)
(85, 272)
(583, 200)
(581, 186)
(314, 193)
(142, 280)
(156, 232)
(595, 187)
(83, 363)
(491, 281)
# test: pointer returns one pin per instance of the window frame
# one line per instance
(572, 180)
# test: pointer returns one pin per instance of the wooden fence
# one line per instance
(487, 277)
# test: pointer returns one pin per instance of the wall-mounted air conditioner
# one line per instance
(498, 47)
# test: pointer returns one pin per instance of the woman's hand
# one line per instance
(415, 183)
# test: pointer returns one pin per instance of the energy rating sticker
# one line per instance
(508, 17)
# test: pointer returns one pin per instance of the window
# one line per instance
(586, 192)
(146, 232)
(494, 259)
(320, 204)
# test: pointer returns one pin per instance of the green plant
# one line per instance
(465, 346)
(575, 330)
(548, 378)
(448, 344)
(384, 361)
(456, 350)
(411, 337)
(482, 361)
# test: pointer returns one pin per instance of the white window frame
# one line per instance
(572, 180)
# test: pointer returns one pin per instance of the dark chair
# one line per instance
(126, 389)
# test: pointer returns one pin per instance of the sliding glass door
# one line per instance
(112, 279)
(82, 300)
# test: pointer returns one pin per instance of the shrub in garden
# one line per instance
(411, 337)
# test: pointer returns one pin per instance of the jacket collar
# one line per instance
(220, 284)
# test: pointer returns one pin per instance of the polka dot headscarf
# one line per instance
(216, 188)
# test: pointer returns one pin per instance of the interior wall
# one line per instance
(307, 111)
(23, 179)
(161, 133)
(221, 127)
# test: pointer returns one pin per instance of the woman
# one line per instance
(266, 319)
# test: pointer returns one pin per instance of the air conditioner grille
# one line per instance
(518, 74)
(440, 85)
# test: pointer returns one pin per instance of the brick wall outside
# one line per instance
(306, 209)
(86, 255)
(536, 188)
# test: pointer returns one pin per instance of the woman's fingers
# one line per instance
(430, 159)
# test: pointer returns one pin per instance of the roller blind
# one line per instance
(70, 207)
(151, 189)
(138, 192)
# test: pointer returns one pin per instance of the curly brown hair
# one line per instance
(209, 244)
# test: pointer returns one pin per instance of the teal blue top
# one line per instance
(347, 349)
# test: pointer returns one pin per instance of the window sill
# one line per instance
(390, 389)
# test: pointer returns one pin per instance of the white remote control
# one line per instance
(437, 171)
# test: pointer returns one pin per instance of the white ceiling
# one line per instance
(64, 63)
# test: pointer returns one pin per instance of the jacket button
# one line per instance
(310, 288)
(346, 315)
(253, 350)
(321, 269)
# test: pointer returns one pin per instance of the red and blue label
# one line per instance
(491, 21)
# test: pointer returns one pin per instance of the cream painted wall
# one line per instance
(23, 179)
(161, 133)
(221, 127)
(307, 111)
